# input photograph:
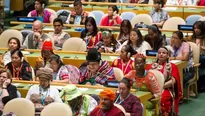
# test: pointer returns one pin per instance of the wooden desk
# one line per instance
(85, 89)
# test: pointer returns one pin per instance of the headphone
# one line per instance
(22, 59)
(43, 5)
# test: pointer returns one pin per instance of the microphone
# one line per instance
(76, 57)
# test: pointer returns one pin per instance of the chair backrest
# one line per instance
(191, 19)
(160, 78)
(145, 18)
(98, 16)
(20, 107)
(173, 22)
(202, 19)
(57, 109)
(118, 73)
(196, 51)
(151, 2)
(120, 107)
(33, 73)
(7, 34)
(128, 15)
(18, 94)
(74, 44)
(52, 12)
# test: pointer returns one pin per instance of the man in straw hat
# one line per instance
(43, 94)
(106, 107)
(80, 104)
(95, 71)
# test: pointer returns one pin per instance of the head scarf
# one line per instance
(46, 73)
(140, 56)
(47, 45)
(109, 94)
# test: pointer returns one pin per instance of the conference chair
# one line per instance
(172, 23)
(7, 34)
(57, 109)
(74, 44)
(202, 19)
(144, 18)
(20, 107)
(128, 15)
(98, 16)
(193, 81)
(160, 79)
(191, 19)
(118, 74)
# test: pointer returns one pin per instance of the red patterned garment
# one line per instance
(126, 68)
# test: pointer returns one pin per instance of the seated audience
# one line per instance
(41, 12)
(19, 67)
(58, 36)
(43, 94)
(127, 100)
(159, 16)
(155, 38)
(108, 44)
(81, 104)
(112, 18)
(125, 29)
(144, 81)
(95, 71)
(137, 42)
(91, 35)
(35, 40)
(78, 16)
(125, 63)
(63, 73)
(8, 91)
(46, 52)
(13, 44)
(106, 107)
(172, 87)
(183, 51)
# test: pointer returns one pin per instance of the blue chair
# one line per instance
(98, 16)
(128, 15)
(191, 19)
(18, 94)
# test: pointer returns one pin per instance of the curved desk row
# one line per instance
(23, 87)
(173, 11)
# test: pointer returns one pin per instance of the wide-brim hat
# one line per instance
(93, 55)
(70, 92)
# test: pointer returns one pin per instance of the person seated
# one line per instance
(91, 35)
(127, 100)
(46, 52)
(155, 37)
(63, 73)
(34, 40)
(159, 16)
(172, 87)
(108, 44)
(41, 12)
(183, 51)
(181, 2)
(111, 19)
(125, 29)
(81, 104)
(13, 44)
(8, 91)
(58, 36)
(95, 71)
(43, 94)
(136, 42)
(200, 2)
(125, 63)
(78, 16)
(107, 107)
(19, 67)
(144, 81)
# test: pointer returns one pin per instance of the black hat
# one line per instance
(93, 55)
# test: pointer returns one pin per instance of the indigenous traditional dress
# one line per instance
(104, 73)
(106, 22)
(170, 96)
(131, 104)
(126, 68)
(114, 111)
(46, 17)
(147, 83)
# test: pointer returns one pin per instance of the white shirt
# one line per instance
(52, 92)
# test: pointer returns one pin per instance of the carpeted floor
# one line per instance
(195, 107)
